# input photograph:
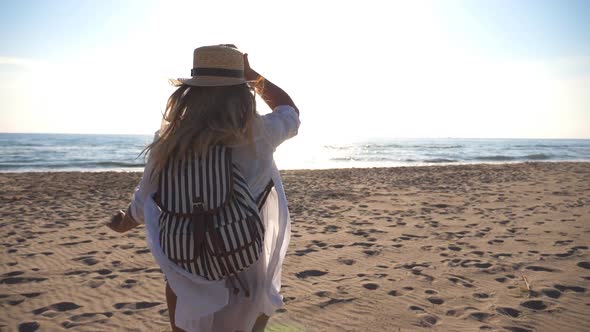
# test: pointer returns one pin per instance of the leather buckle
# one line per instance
(200, 206)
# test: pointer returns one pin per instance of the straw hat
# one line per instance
(217, 65)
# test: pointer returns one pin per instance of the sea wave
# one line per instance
(83, 165)
(495, 158)
(389, 146)
(538, 156)
(343, 159)
(540, 146)
(440, 160)
(534, 156)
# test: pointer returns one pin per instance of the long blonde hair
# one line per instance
(198, 117)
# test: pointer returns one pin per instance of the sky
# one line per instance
(356, 69)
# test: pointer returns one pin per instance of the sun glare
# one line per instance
(366, 71)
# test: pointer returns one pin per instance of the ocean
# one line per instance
(68, 152)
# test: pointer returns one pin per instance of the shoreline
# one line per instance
(458, 164)
(437, 248)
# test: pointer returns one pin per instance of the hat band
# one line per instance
(221, 72)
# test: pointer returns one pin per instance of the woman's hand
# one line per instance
(121, 222)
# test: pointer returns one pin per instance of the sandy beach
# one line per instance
(438, 248)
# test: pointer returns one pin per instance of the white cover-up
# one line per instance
(204, 305)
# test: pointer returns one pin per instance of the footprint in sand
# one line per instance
(501, 255)
(371, 286)
(416, 308)
(335, 301)
(330, 229)
(155, 270)
(136, 305)
(565, 288)
(454, 248)
(87, 318)
(69, 244)
(322, 294)
(90, 315)
(303, 252)
(28, 327)
(104, 272)
(455, 312)
(481, 296)
(461, 282)
(534, 304)
(479, 316)
(20, 280)
(320, 244)
(541, 269)
(371, 252)
(346, 261)
(435, 300)
(403, 291)
(427, 320)
(507, 311)
(13, 274)
(516, 329)
(477, 252)
(124, 246)
(76, 273)
(550, 292)
(584, 265)
(129, 283)
(310, 273)
(94, 283)
(88, 260)
(12, 299)
(61, 307)
(362, 244)
(133, 269)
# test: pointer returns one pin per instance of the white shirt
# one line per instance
(204, 305)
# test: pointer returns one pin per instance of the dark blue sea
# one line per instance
(67, 152)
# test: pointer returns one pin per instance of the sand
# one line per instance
(450, 248)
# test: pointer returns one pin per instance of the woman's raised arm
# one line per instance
(272, 95)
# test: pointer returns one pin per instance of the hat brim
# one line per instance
(208, 81)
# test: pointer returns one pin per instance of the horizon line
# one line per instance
(368, 138)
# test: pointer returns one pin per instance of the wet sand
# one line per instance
(449, 248)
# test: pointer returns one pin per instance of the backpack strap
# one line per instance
(261, 200)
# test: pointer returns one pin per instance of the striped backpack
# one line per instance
(209, 223)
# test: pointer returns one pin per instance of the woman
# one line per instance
(216, 106)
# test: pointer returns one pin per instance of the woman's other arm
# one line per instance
(123, 221)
